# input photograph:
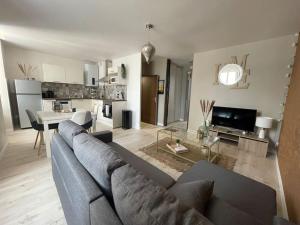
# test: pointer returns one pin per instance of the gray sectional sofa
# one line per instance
(101, 182)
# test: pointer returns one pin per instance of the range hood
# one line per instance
(104, 67)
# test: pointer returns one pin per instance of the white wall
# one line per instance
(133, 64)
(267, 61)
(15, 55)
(3, 138)
(158, 66)
(4, 92)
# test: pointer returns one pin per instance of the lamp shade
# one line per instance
(263, 122)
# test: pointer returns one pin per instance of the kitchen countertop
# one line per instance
(113, 100)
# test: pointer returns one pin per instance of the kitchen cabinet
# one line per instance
(47, 105)
(116, 120)
(58, 74)
(54, 73)
(74, 76)
(85, 104)
(91, 75)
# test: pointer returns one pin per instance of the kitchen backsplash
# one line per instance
(61, 90)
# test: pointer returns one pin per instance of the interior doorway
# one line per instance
(178, 96)
(149, 98)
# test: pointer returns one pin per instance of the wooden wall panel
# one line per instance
(289, 145)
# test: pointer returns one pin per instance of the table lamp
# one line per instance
(263, 123)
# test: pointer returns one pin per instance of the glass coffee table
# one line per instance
(194, 149)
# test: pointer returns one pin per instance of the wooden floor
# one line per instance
(27, 191)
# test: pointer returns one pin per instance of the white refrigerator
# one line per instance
(28, 96)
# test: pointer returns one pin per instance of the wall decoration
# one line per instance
(123, 71)
(161, 87)
(243, 83)
(27, 70)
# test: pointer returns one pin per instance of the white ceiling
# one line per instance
(98, 29)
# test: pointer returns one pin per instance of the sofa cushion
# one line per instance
(139, 200)
(194, 194)
(68, 130)
(222, 213)
(250, 196)
(144, 167)
(98, 159)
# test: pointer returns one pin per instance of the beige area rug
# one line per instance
(182, 165)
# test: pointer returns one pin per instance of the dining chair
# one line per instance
(83, 118)
(39, 127)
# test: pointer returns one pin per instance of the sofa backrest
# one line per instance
(81, 197)
(68, 130)
(99, 159)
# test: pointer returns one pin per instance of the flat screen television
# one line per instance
(237, 118)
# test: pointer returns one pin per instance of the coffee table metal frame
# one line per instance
(205, 143)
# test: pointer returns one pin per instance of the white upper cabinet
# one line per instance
(54, 73)
(74, 75)
(59, 74)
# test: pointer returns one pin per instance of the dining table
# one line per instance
(51, 117)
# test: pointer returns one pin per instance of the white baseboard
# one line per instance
(2, 151)
(281, 194)
(160, 124)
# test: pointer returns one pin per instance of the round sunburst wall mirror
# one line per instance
(230, 74)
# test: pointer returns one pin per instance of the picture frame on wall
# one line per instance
(161, 87)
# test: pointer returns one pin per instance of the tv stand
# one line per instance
(246, 142)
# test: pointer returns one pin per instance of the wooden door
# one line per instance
(149, 99)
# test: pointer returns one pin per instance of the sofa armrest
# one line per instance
(105, 136)
(280, 221)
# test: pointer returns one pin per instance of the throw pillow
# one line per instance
(195, 194)
(139, 200)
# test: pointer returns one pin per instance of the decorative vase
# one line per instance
(205, 129)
